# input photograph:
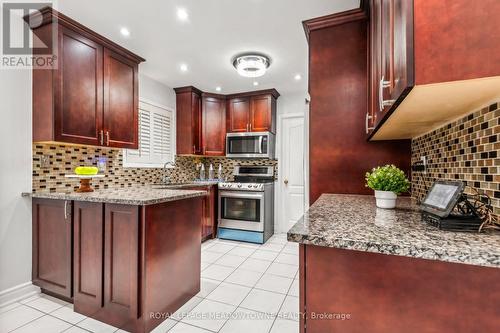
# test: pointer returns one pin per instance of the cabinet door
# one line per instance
(375, 63)
(261, 114)
(197, 123)
(214, 126)
(79, 89)
(397, 51)
(88, 256)
(51, 253)
(239, 115)
(120, 101)
(121, 257)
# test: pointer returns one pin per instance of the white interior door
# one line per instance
(291, 170)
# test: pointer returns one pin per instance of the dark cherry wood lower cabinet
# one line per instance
(51, 254)
(88, 256)
(209, 211)
(136, 264)
(394, 294)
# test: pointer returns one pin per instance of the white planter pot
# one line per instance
(386, 199)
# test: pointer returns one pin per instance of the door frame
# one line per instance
(279, 187)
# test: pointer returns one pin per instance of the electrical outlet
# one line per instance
(424, 162)
(44, 161)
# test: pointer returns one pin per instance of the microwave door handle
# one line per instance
(261, 142)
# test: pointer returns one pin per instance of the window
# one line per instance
(156, 138)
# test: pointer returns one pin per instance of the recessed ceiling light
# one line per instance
(218, 88)
(255, 83)
(125, 32)
(297, 77)
(182, 14)
(184, 67)
(251, 64)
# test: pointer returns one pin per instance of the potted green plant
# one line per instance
(388, 182)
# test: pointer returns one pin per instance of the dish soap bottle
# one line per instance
(210, 172)
(202, 171)
(219, 172)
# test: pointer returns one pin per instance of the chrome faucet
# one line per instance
(166, 178)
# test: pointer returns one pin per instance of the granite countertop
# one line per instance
(353, 222)
(134, 195)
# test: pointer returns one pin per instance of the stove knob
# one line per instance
(239, 185)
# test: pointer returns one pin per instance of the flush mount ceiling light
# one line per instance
(251, 64)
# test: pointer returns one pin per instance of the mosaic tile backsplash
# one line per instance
(63, 159)
(467, 149)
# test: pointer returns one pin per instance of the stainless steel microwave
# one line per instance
(250, 145)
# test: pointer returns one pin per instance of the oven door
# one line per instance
(241, 210)
(249, 145)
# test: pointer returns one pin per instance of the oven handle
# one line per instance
(245, 195)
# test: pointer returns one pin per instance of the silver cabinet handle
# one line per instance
(381, 86)
(368, 118)
(66, 212)
(101, 137)
(107, 138)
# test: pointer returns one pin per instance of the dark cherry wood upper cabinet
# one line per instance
(263, 114)
(252, 111)
(88, 256)
(189, 122)
(91, 96)
(52, 243)
(121, 101)
(426, 53)
(238, 118)
(78, 95)
(213, 117)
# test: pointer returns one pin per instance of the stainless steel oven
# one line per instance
(244, 210)
(250, 145)
(246, 206)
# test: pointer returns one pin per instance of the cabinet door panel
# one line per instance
(375, 61)
(261, 117)
(197, 123)
(403, 64)
(88, 256)
(52, 269)
(239, 114)
(120, 101)
(79, 100)
(121, 247)
(214, 126)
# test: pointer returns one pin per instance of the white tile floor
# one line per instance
(244, 288)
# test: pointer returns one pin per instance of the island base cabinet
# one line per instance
(351, 291)
(106, 262)
(134, 265)
(51, 254)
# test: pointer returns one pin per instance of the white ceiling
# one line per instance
(215, 31)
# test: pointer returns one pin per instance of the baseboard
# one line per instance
(18, 293)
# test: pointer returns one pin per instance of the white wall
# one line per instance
(156, 92)
(15, 177)
(16, 169)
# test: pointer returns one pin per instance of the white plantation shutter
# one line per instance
(156, 138)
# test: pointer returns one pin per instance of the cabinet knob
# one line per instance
(285, 181)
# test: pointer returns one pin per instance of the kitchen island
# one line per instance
(365, 269)
(128, 257)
